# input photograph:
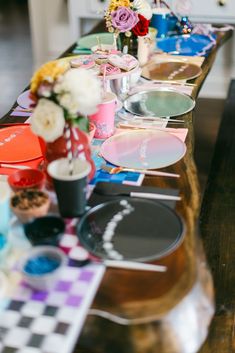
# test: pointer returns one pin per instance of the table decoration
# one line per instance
(128, 20)
(143, 149)
(126, 178)
(64, 98)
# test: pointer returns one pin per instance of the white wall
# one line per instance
(49, 29)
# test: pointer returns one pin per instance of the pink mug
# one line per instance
(104, 117)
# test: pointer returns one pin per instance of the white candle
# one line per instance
(143, 50)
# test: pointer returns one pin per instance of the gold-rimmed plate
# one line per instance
(170, 71)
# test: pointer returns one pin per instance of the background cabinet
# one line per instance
(216, 11)
(83, 14)
(56, 24)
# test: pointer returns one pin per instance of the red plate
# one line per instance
(18, 144)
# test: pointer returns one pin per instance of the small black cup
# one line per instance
(70, 188)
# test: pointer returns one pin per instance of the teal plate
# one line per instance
(91, 40)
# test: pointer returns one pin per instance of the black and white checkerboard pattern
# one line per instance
(50, 322)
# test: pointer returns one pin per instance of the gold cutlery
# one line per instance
(116, 170)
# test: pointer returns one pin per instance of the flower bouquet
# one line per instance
(128, 19)
(63, 99)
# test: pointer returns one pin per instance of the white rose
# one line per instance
(48, 120)
(79, 91)
(143, 8)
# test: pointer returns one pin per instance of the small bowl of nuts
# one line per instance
(29, 204)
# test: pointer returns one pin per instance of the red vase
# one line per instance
(80, 148)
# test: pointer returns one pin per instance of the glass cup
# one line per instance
(4, 208)
(160, 21)
(4, 221)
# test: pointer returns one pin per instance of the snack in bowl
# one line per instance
(29, 204)
(26, 179)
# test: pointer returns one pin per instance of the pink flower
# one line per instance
(124, 19)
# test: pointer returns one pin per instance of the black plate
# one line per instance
(149, 232)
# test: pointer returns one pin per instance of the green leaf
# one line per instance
(82, 123)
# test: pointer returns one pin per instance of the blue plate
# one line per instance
(194, 44)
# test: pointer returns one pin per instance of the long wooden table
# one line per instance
(139, 312)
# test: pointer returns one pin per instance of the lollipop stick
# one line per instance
(104, 81)
(98, 42)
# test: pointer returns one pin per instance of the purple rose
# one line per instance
(124, 19)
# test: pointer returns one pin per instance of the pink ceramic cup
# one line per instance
(104, 117)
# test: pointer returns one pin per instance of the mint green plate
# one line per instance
(91, 40)
(161, 102)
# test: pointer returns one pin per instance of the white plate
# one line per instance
(143, 149)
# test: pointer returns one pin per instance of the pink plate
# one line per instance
(143, 149)
(24, 101)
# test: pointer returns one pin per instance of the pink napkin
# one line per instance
(18, 111)
(181, 133)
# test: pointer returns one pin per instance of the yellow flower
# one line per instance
(49, 72)
(114, 4)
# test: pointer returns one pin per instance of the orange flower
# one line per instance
(114, 4)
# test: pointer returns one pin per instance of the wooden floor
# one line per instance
(15, 51)
(207, 118)
(16, 69)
